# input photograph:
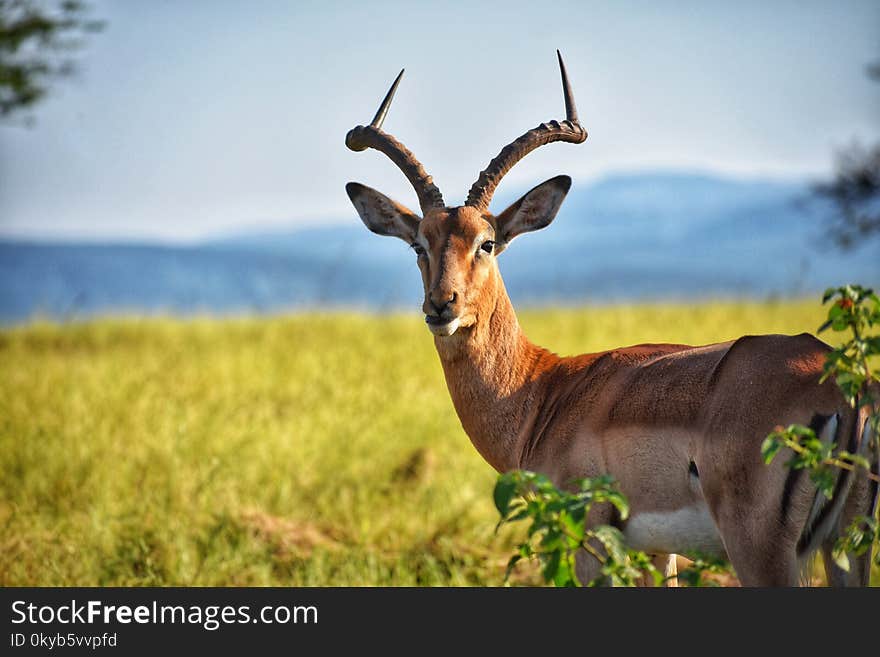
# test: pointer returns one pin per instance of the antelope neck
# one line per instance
(491, 371)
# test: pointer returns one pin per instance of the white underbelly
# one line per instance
(686, 530)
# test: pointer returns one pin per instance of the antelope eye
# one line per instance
(488, 246)
(418, 248)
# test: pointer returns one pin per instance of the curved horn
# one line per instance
(569, 130)
(371, 136)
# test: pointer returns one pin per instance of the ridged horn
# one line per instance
(570, 130)
(362, 137)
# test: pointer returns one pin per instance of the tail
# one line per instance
(825, 513)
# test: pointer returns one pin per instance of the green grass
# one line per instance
(317, 449)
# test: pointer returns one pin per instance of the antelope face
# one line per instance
(456, 246)
(455, 251)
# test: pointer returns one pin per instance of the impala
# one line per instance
(679, 427)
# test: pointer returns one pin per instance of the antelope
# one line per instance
(679, 427)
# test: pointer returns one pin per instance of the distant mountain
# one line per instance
(627, 237)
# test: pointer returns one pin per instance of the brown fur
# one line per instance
(642, 413)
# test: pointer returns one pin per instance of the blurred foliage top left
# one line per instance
(37, 43)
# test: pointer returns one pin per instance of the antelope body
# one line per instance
(679, 427)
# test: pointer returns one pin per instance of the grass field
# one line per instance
(317, 449)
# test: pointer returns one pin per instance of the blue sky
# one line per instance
(196, 118)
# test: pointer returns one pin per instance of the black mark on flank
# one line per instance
(692, 468)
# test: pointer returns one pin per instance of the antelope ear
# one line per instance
(382, 215)
(535, 210)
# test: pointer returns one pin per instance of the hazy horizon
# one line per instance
(349, 218)
(191, 120)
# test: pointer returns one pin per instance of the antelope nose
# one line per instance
(440, 303)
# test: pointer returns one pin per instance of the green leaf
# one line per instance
(564, 575)
(770, 448)
(824, 479)
(511, 565)
(573, 528)
(620, 503)
(553, 540)
(519, 515)
(551, 565)
(612, 540)
(505, 489)
(841, 560)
